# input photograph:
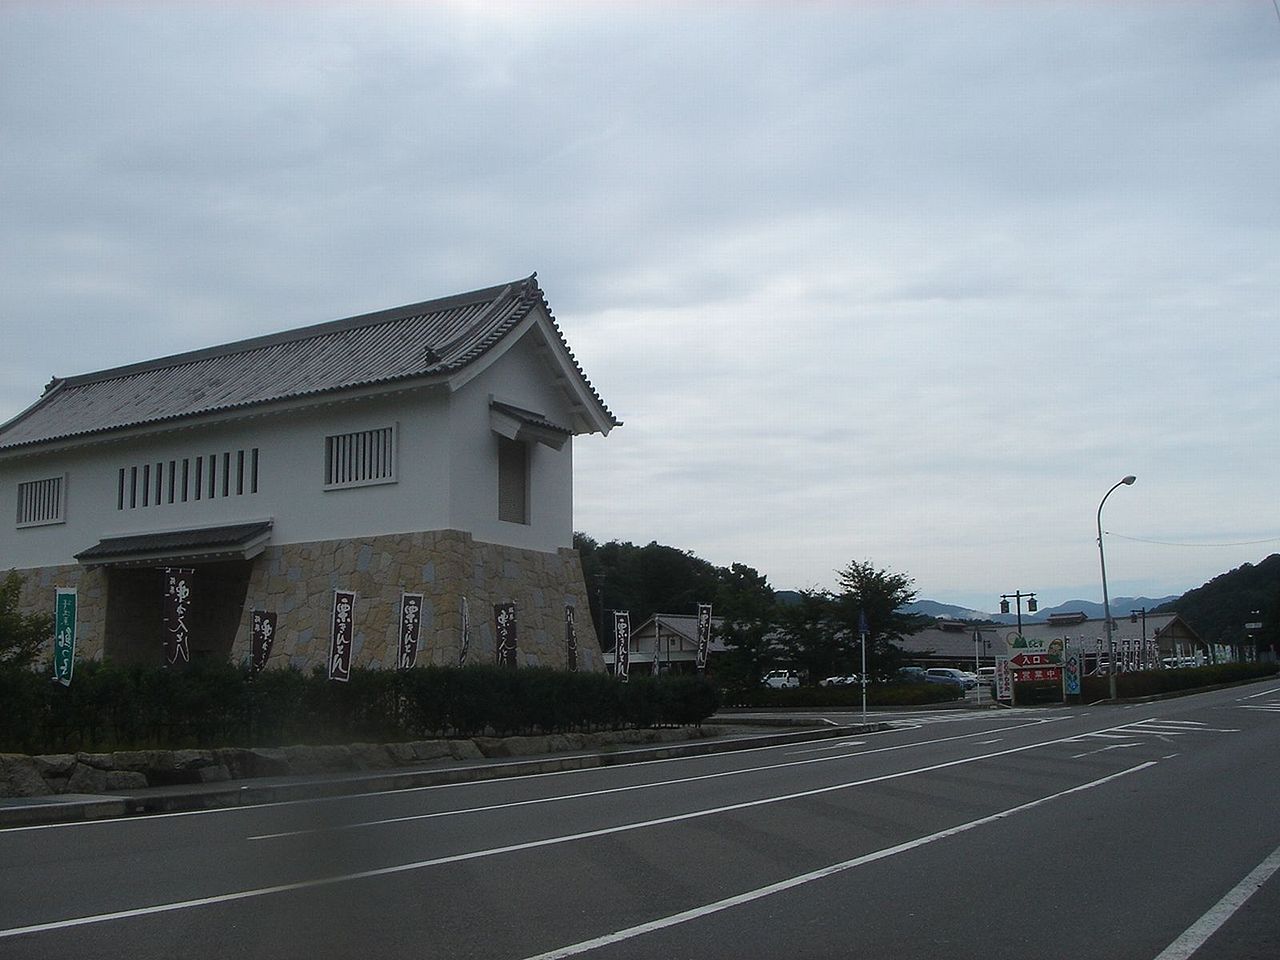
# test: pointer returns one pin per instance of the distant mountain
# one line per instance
(1120, 606)
(943, 611)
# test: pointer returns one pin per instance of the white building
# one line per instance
(424, 449)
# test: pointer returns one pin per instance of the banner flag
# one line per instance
(64, 634)
(264, 636)
(704, 635)
(410, 629)
(1071, 670)
(1004, 679)
(570, 638)
(504, 616)
(177, 608)
(465, 645)
(621, 643)
(657, 638)
(344, 605)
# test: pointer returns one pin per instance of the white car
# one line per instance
(852, 680)
(781, 679)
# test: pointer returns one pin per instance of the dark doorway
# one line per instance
(135, 612)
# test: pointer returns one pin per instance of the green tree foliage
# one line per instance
(808, 634)
(21, 635)
(1219, 609)
(879, 594)
(746, 602)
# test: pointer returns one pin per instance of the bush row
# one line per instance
(878, 695)
(110, 707)
(1148, 683)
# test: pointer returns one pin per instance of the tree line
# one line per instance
(816, 631)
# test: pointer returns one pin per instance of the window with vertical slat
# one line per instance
(360, 459)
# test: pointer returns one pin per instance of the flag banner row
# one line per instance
(504, 618)
(410, 628)
(177, 612)
(263, 636)
(64, 634)
(570, 639)
(342, 637)
(704, 635)
(621, 643)
(464, 646)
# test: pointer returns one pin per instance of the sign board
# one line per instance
(1038, 675)
(1020, 660)
(64, 634)
(1004, 679)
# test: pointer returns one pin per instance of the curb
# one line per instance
(49, 811)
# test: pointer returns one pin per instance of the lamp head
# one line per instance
(1128, 481)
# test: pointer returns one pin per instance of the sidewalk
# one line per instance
(69, 807)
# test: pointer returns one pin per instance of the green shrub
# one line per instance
(213, 704)
(1146, 683)
(845, 698)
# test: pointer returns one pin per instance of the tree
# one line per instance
(807, 630)
(745, 600)
(878, 595)
(21, 634)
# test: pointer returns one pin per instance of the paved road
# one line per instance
(1104, 832)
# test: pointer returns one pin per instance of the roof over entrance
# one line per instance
(238, 541)
(430, 341)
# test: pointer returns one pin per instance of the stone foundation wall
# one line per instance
(297, 582)
(37, 596)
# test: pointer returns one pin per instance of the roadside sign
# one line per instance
(1020, 660)
(1038, 674)
(1071, 671)
(1004, 679)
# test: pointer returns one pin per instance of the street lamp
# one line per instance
(1106, 600)
(1018, 597)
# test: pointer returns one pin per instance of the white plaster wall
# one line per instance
(524, 378)
(290, 481)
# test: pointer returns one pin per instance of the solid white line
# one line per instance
(1264, 693)
(1200, 931)
(510, 848)
(793, 882)
(605, 791)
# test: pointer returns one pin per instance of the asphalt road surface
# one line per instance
(1149, 832)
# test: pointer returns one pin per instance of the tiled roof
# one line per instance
(205, 540)
(421, 341)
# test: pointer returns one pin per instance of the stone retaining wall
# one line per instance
(297, 582)
(123, 770)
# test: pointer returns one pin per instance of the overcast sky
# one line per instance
(913, 283)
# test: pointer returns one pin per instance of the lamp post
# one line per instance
(1106, 600)
(1133, 618)
(1018, 597)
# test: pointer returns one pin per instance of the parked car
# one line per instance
(950, 675)
(911, 675)
(851, 680)
(987, 675)
(781, 679)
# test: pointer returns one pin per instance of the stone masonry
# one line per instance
(297, 582)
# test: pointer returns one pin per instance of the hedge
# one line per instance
(1148, 683)
(110, 707)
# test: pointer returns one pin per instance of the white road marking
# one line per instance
(761, 892)
(1194, 936)
(1114, 746)
(996, 740)
(1264, 693)
(533, 801)
(532, 845)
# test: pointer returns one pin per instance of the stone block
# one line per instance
(20, 778)
(86, 778)
(371, 756)
(55, 764)
(214, 774)
(191, 759)
(464, 750)
(431, 749)
(125, 780)
(100, 761)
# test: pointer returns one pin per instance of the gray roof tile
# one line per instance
(419, 341)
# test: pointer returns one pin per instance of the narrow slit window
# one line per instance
(146, 484)
(173, 479)
(253, 471)
(239, 473)
(199, 484)
(226, 474)
(120, 490)
(213, 475)
(186, 477)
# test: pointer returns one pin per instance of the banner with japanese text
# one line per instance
(263, 630)
(410, 629)
(504, 617)
(177, 612)
(343, 635)
(570, 639)
(64, 634)
(621, 643)
(704, 635)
